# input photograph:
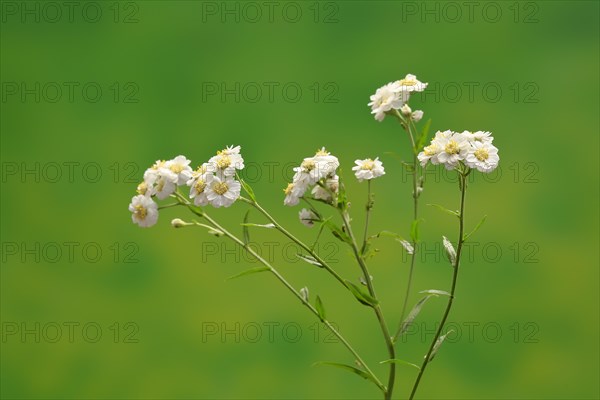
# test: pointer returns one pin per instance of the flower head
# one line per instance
(180, 166)
(144, 211)
(482, 156)
(410, 83)
(222, 191)
(386, 98)
(327, 190)
(227, 161)
(452, 149)
(368, 169)
(307, 217)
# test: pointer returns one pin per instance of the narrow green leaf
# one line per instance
(413, 313)
(268, 226)
(362, 297)
(249, 271)
(350, 368)
(310, 260)
(477, 227)
(444, 209)
(248, 190)
(438, 343)
(435, 291)
(245, 228)
(450, 252)
(398, 361)
(414, 230)
(338, 232)
(424, 135)
(320, 308)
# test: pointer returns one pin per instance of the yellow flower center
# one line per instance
(142, 188)
(430, 150)
(368, 164)
(288, 189)
(322, 152)
(407, 82)
(220, 188)
(308, 165)
(160, 185)
(451, 147)
(159, 164)
(201, 169)
(481, 154)
(140, 211)
(224, 161)
(199, 186)
(177, 168)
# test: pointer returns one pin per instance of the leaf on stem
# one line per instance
(310, 260)
(398, 361)
(414, 230)
(424, 135)
(268, 226)
(320, 308)
(435, 291)
(362, 297)
(249, 271)
(444, 209)
(338, 232)
(407, 246)
(350, 368)
(477, 227)
(450, 252)
(413, 314)
(245, 228)
(248, 190)
(438, 343)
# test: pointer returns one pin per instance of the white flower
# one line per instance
(222, 192)
(165, 184)
(144, 211)
(411, 84)
(200, 179)
(151, 174)
(483, 156)
(293, 192)
(386, 98)
(180, 166)
(417, 115)
(368, 169)
(307, 217)
(326, 193)
(227, 161)
(428, 152)
(479, 136)
(453, 148)
(313, 169)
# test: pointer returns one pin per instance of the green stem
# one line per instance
(384, 329)
(368, 213)
(335, 332)
(296, 240)
(461, 240)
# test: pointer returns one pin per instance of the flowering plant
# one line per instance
(316, 182)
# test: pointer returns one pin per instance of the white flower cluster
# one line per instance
(318, 172)
(474, 149)
(211, 183)
(394, 95)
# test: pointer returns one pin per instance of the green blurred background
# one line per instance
(135, 313)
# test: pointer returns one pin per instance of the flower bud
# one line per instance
(406, 110)
(417, 115)
(178, 223)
